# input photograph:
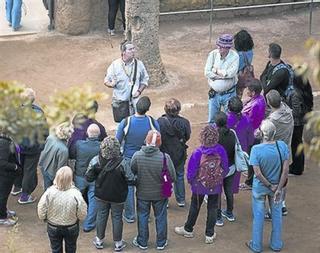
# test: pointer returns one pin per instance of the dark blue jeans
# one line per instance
(67, 233)
(160, 214)
(196, 202)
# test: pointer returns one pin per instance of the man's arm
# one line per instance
(143, 79)
(260, 176)
(110, 79)
(231, 70)
(208, 70)
(119, 132)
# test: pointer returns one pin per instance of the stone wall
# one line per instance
(82, 16)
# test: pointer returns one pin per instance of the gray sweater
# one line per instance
(54, 156)
(147, 165)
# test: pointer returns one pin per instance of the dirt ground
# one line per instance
(49, 62)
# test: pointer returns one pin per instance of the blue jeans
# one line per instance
(13, 12)
(217, 102)
(68, 234)
(129, 205)
(82, 184)
(179, 190)
(103, 209)
(160, 214)
(258, 209)
(129, 209)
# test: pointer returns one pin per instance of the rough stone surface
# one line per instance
(143, 29)
(81, 16)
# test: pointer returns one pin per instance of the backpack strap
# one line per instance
(127, 125)
(134, 77)
(151, 123)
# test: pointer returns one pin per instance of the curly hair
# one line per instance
(243, 41)
(209, 135)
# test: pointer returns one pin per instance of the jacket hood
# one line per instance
(209, 150)
(284, 113)
(150, 150)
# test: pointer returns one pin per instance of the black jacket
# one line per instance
(175, 132)
(278, 81)
(111, 179)
(9, 165)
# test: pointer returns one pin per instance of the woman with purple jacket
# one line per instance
(209, 137)
(254, 109)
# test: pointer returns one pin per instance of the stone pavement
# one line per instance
(34, 19)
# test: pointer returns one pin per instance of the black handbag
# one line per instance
(121, 109)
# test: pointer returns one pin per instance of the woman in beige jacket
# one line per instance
(62, 206)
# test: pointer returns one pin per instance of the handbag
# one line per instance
(281, 166)
(166, 184)
(246, 74)
(241, 158)
(121, 109)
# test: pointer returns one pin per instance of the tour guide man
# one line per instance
(128, 78)
(221, 70)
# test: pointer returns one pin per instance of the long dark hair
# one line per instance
(243, 41)
(221, 122)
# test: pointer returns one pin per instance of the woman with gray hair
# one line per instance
(55, 154)
(270, 164)
(62, 206)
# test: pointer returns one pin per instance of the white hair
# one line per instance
(268, 130)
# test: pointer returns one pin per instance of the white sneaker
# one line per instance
(111, 32)
(98, 243)
(8, 222)
(183, 232)
(210, 239)
(163, 247)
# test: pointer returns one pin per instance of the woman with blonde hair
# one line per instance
(62, 206)
(55, 154)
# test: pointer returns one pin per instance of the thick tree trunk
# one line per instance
(142, 18)
(73, 16)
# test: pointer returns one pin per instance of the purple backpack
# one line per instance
(210, 173)
(166, 184)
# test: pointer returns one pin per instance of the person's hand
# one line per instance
(274, 187)
(136, 94)
(277, 196)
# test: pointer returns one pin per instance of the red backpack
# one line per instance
(210, 173)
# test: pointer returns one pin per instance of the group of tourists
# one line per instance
(87, 173)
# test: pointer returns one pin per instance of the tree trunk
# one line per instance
(72, 16)
(142, 22)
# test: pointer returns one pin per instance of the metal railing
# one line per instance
(247, 7)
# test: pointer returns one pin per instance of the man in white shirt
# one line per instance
(221, 70)
(127, 76)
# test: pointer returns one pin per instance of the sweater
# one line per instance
(85, 151)
(62, 208)
(147, 165)
(54, 156)
(193, 167)
(255, 110)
